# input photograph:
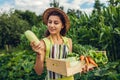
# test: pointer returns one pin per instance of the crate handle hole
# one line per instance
(54, 64)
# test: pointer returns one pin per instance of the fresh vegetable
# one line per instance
(72, 58)
(87, 63)
(91, 61)
(31, 37)
(100, 57)
(88, 60)
(82, 57)
(73, 61)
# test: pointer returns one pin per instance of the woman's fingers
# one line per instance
(86, 69)
(91, 69)
(37, 47)
(32, 44)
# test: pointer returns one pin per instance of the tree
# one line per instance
(29, 16)
(114, 2)
(55, 3)
(97, 7)
(11, 27)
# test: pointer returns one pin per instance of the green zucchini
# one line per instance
(31, 37)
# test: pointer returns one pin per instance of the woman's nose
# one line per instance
(52, 25)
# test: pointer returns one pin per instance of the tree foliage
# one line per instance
(29, 16)
(11, 27)
(100, 30)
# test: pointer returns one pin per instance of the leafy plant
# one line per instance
(19, 65)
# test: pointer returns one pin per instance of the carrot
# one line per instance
(92, 61)
(87, 61)
(82, 57)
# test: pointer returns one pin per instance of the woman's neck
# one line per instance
(56, 39)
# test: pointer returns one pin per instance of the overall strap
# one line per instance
(47, 43)
(66, 41)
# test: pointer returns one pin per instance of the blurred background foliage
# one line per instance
(100, 30)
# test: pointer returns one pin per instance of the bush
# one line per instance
(19, 65)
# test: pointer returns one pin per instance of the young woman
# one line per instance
(55, 44)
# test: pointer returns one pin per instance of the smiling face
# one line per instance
(54, 24)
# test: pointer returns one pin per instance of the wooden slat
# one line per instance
(75, 69)
(63, 67)
(58, 66)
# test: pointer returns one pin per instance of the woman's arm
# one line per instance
(39, 64)
(40, 50)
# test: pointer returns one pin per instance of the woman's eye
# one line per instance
(49, 22)
(56, 23)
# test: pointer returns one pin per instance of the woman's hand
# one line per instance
(37, 47)
(86, 69)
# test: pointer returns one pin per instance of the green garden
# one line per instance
(98, 31)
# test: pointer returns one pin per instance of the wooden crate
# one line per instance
(63, 67)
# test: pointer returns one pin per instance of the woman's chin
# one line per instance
(52, 33)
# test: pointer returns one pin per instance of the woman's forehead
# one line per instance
(54, 17)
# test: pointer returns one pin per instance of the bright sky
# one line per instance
(38, 6)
